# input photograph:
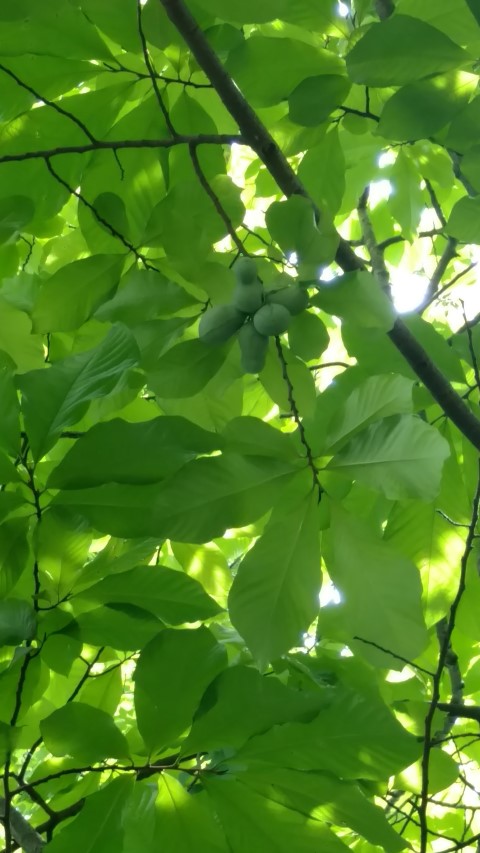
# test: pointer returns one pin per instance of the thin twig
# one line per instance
(297, 418)
(151, 71)
(447, 255)
(91, 207)
(52, 104)
(215, 199)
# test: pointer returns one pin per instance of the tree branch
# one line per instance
(442, 661)
(22, 833)
(255, 134)
(119, 144)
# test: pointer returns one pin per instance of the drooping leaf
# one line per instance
(401, 50)
(172, 672)
(186, 368)
(84, 732)
(135, 453)
(312, 101)
(18, 621)
(172, 596)
(97, 829)
(185, 823)
(274, 596)
(241, 703)
(251, 821)
(400, 456)
(56, 397)
(357, 298)
(196, 504)
(250, 66)
(381, 590)
(376, 398)
(376, 746)
(69, 298)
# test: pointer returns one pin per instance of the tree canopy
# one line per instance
(240, 429)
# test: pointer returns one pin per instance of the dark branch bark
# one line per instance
(255, 134)
(119, 144)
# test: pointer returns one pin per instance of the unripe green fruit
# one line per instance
(272, 319)
(246, 271)
(253, 349)
(219, 324)
(294, 298)
(248, 298)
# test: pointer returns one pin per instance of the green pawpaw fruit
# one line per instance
(246, 271)
(294, 298)
(253, 349)
(219, 324)
(248, 299)
(272, 319)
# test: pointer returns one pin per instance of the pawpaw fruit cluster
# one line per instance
(254, 313)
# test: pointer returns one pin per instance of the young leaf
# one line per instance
(381, 590)
(172, 672)
(274, 596)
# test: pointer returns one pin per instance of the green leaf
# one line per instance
(241, 703)
(172, 673)
(442, 772)
(308, 336)
(312, 101)
(245, 11)
(18, 621)
(274, 596)
(376, 398)
(138, 453)
(122, 627)
(14, 552)
(69, 298)
(300, 378)
(172, 596)
(186, 368)
(400, 456)
(376, 745)
(292, 225)
(322, 171)
(10, 407)
(15, 213)
(327, 799)
(463, 223)
(196, 504)
(185, 824)
(51, 30)
(85, 733)
(252, 437)
(357, 298)
(16, 339)
(97, 829)
(143, 294)
(401, 50)
(252, 822)
(420, 109)
(252, 62)
(406, 202)
(381, 590)
(57, 397)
